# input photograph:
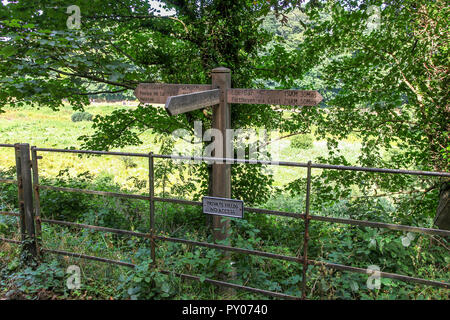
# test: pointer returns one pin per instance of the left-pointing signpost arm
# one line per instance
(193, 101)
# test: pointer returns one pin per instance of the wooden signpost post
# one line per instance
(182, 98)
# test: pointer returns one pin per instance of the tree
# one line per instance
(123, 43)
(387, 63)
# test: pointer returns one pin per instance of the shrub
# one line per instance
(44, 280)
(8, 192)
(303, 141)
(81, 116)
(145, 283)
(129, 162)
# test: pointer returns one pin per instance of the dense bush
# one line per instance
(81, 116)
(302, 141)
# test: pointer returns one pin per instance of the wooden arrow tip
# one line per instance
(319, 97)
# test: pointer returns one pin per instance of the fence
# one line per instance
(30, 216)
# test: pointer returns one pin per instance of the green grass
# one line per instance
(45, 128)
(49, 129)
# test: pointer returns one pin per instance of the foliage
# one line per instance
(390, 83)
(81, 116)
(145, 282)
(302, 141)
(35, 282)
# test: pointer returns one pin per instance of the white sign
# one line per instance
(223, 207)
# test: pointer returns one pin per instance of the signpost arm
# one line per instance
(221, 172)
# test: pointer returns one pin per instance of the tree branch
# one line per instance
(91, 77)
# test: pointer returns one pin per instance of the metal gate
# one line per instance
(31, 220)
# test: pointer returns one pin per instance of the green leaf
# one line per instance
(8, 51)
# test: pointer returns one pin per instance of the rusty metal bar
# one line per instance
(10, 240)
(178, 201)
(275, 213)
(157, 199)
(306, 234)
(8, 213)
(151, 180)
(232, 249)
(248, 209)
(112, 153)
(231, 285)
(254, 252)
(396, 276)
(97, 228)
(182, 275)
(305, 216)
(84, 256)
(8, 181)
(20, 192)
(25, 197)
(382, 170)
(305, 165)
(273, 162)
(372, 224)
(363, 223)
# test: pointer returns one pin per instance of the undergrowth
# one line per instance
(391, 251)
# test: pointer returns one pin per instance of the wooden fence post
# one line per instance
(221, 172)
(25, 195)
(37, 202)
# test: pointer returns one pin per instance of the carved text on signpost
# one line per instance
(274, 97)
(159, 92)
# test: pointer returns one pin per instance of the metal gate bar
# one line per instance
(362, 223)
(273, 162)
(181, 275)
(253, 252)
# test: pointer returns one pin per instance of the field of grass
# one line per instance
(45, 128)
(48, 129)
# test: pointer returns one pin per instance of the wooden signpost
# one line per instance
(158, 93)
(182, 98)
